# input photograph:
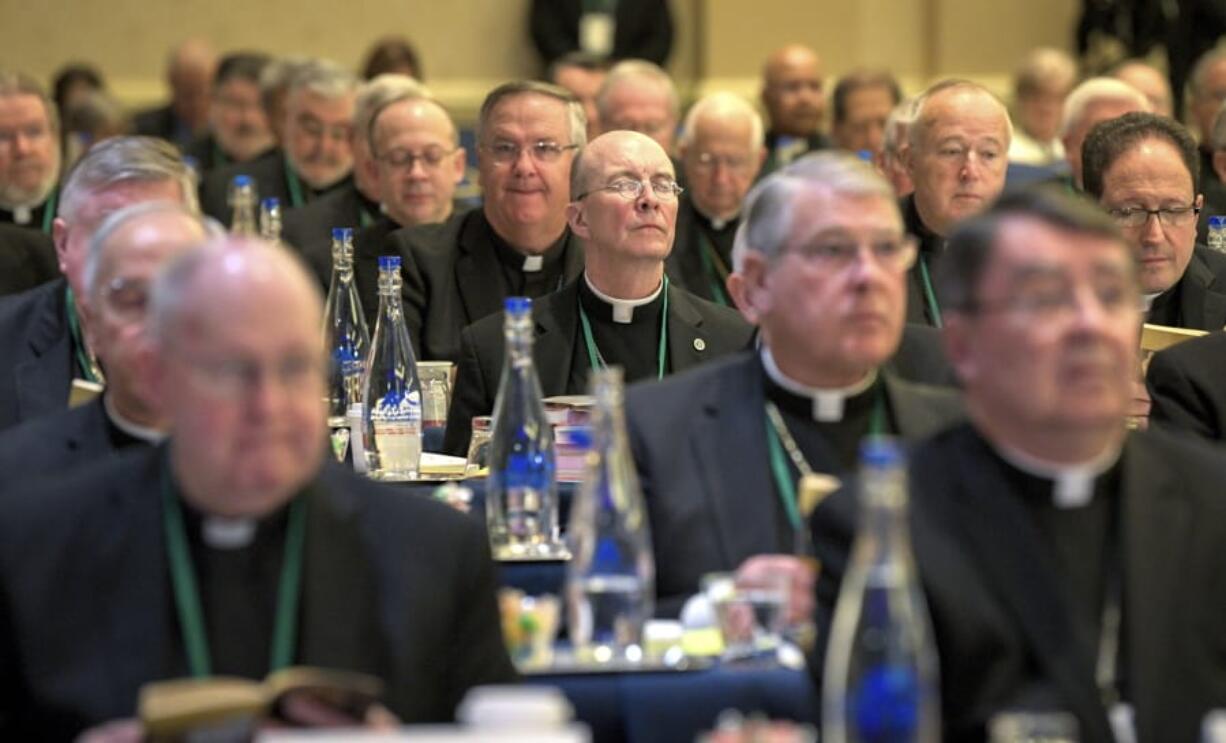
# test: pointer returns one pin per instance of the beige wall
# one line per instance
(470, 45)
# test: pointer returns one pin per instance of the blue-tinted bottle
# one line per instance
(880, 680)
(345, 333)
(243, 204)
(521, 492)
(392, 392)
(611, 575)
(1216, 239)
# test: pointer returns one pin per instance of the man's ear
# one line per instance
(59, 236)
(459, 161)
(577, 220)
(754, 290)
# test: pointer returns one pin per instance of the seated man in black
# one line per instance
(235, 549)
(44, 340)
(622, 310)
(238, 126)
(1143, 169)
(27, 259)
(721, 152)
(517, 243)
(124, 255)
(30, 162)
(315, 156)
(1185, 384)
(1069, 565)
(719, 449)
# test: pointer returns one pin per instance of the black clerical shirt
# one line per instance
(33, 218)
(634, 346)
(1167, 307)
(520, 277)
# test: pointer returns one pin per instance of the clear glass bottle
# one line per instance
(881, 680)
(392, 393)
(610, 580)
(243, 200)
(521, 492)
(346, 337)
(270, 219)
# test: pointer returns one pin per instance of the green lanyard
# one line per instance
(785, 486)
(89, 367)
(364, 218)
(929, 295)
(713, 267)
(593, 353)
(49, 210)
(295, 186)
(187, 595)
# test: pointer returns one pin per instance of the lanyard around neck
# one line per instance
(782, 446)
(930, 296)
(187, 593)
(87, 362)
(713, 268)
(593, 353)
(49, 210)
(219, 156)
(295, 186)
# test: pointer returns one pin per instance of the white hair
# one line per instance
(1096, 90)
(725, 105)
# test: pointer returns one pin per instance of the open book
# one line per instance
(173, 709)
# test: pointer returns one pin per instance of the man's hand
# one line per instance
(796, 575)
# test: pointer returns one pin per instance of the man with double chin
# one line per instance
(621, 310)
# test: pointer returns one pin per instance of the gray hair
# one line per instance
(125, 160)
(920, 122)
(100, 241)
(770, 212)
(13, 82)
(574, 109)
(896, 125)
(1096, 90)
(383, 91)
(1040, 68)
(322, 77)
(276, 78)
(1217, 138)
(722, 104)
(637, 72)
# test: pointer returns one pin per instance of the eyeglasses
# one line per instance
(430, 158)
(707, 163)
(234, 379)
(542, 151)
(838, 255)
(665, 189)
(316, 129)
(1169, 216)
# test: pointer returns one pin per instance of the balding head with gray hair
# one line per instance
(1093, 101)
(383, 91)
(722, 106)
(122, 160)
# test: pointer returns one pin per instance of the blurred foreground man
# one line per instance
(622, 311)
(1143, 170)
(1069, 565)
(517, 243)
(44, 338)
(956, 156)
(234, 549)
(124, 256)
(824, 277)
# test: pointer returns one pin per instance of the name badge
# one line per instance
(596, 32)
(83, 391)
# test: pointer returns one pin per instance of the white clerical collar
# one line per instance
(828, 403)
(220, 532)
(22, 214)
(533, 263)
(1147, 301)
(718, 223)
(135, 430)
(1072, 485)
(623, 309)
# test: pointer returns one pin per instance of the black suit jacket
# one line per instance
(931, 245)
(701, 452)
(394, 584)
(1186, 386)
(309, 229)
(27, 259)
(208, 155)
(269, 173)
(55, 443)
(483, 351)
(684, 264)
(1202, 291)
(1002, 627)
(644, 29)
(451, 279)
(36, 362)
(161, 122)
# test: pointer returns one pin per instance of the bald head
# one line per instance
(1092, 102)
(792, 90)
(418, 162)
(1150, 82)
(189, 71)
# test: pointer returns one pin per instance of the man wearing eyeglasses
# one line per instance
(721, 152)
(235, 548)
(622, 311)
(517, 243)
(316, 154)
(956, 154)
(125, 253)
(1143, 170)
(720, 449)
(1070, 566)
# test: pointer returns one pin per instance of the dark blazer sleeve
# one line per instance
(471, 395)
(1179, 401)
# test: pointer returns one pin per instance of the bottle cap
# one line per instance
(881, 452)
(517, 305)
(389, 262)
(242, 181)
(1217, 221)
(270, 202)
(341, 234)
